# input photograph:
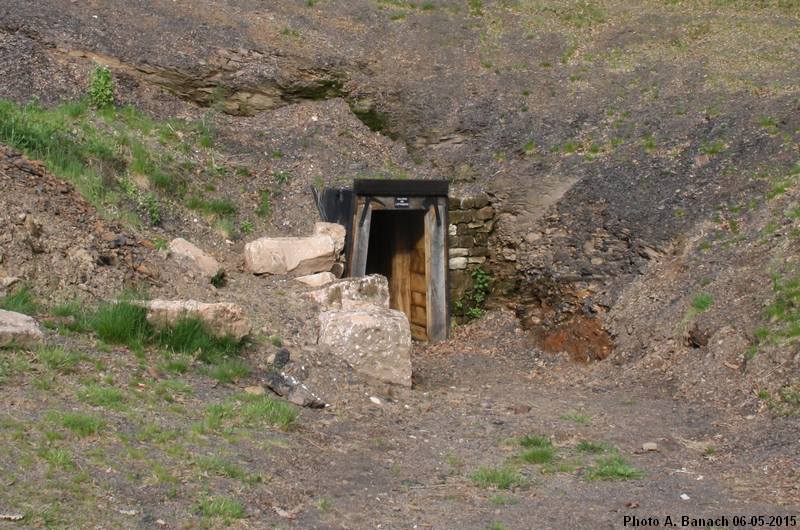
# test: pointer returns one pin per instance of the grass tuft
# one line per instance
(500, 477)
(266, 409)
(121, 322)
(20, 301)
(58, 359)
(80, 424)
(221, 507)
(613, 468)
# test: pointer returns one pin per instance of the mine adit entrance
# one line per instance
(398, 228)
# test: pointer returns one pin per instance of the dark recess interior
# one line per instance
(397, 251)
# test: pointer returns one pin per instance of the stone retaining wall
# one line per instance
(472, 219)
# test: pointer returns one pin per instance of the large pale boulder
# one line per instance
(354, 293)
(190, 254)
(222, 318)
(299, 255)
(373, 340)
(16, 328)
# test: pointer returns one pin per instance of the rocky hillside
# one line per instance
(642, 158)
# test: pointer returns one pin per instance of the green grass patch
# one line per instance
(101, 396)
(223, 468)
(586, 446)
(702, 302)
(22, 300)
(190, 335)
(228, 371)
(530, 441)
(613, 468)
(58, 359)
(121, 322)
(576, 417)
(538, 455)
(58, 458)
(499, 477)
(212, 207)
(264, 409)
(80, 424)
(222, 507)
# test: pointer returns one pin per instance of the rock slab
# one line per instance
(190, 254)
(297, 255)
(317, 280)
(354, 293)
(222, 319)
(373, 340)
(16, 328)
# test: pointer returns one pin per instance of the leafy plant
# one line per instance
(101, 88)
(471, 304)
(264, 208)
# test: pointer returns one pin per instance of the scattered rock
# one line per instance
(649, 446)
(254, 390)
(376, 400)
(293, 390)
(317, 280)
(191, 255)
(281, 358)
(354, 293)
(299, 255)
(374, 341)
(222, 319)
(18, 329)
(697, 337)
(7, 282)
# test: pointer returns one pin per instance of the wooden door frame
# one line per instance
(435, 230)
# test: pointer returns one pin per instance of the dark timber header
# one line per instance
(408, 188)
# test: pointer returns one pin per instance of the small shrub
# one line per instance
(702, 302)
(101, 88)
(282, 176)
(21, 300)
(219, 280)
(500, 477)
(613, 468)
(264, 207)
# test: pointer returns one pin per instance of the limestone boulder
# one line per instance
(317, 280)
(354, 293)
(189, 254)
(16, 328)
(221, 319)
(375, 341)
(297, 255)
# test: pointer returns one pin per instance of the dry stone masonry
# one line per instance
(472, 219)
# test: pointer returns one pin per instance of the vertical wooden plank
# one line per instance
(436, 272)
(400, 284)
(358, 267)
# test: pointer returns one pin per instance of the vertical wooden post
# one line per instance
(358, 267)
(436, 271)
